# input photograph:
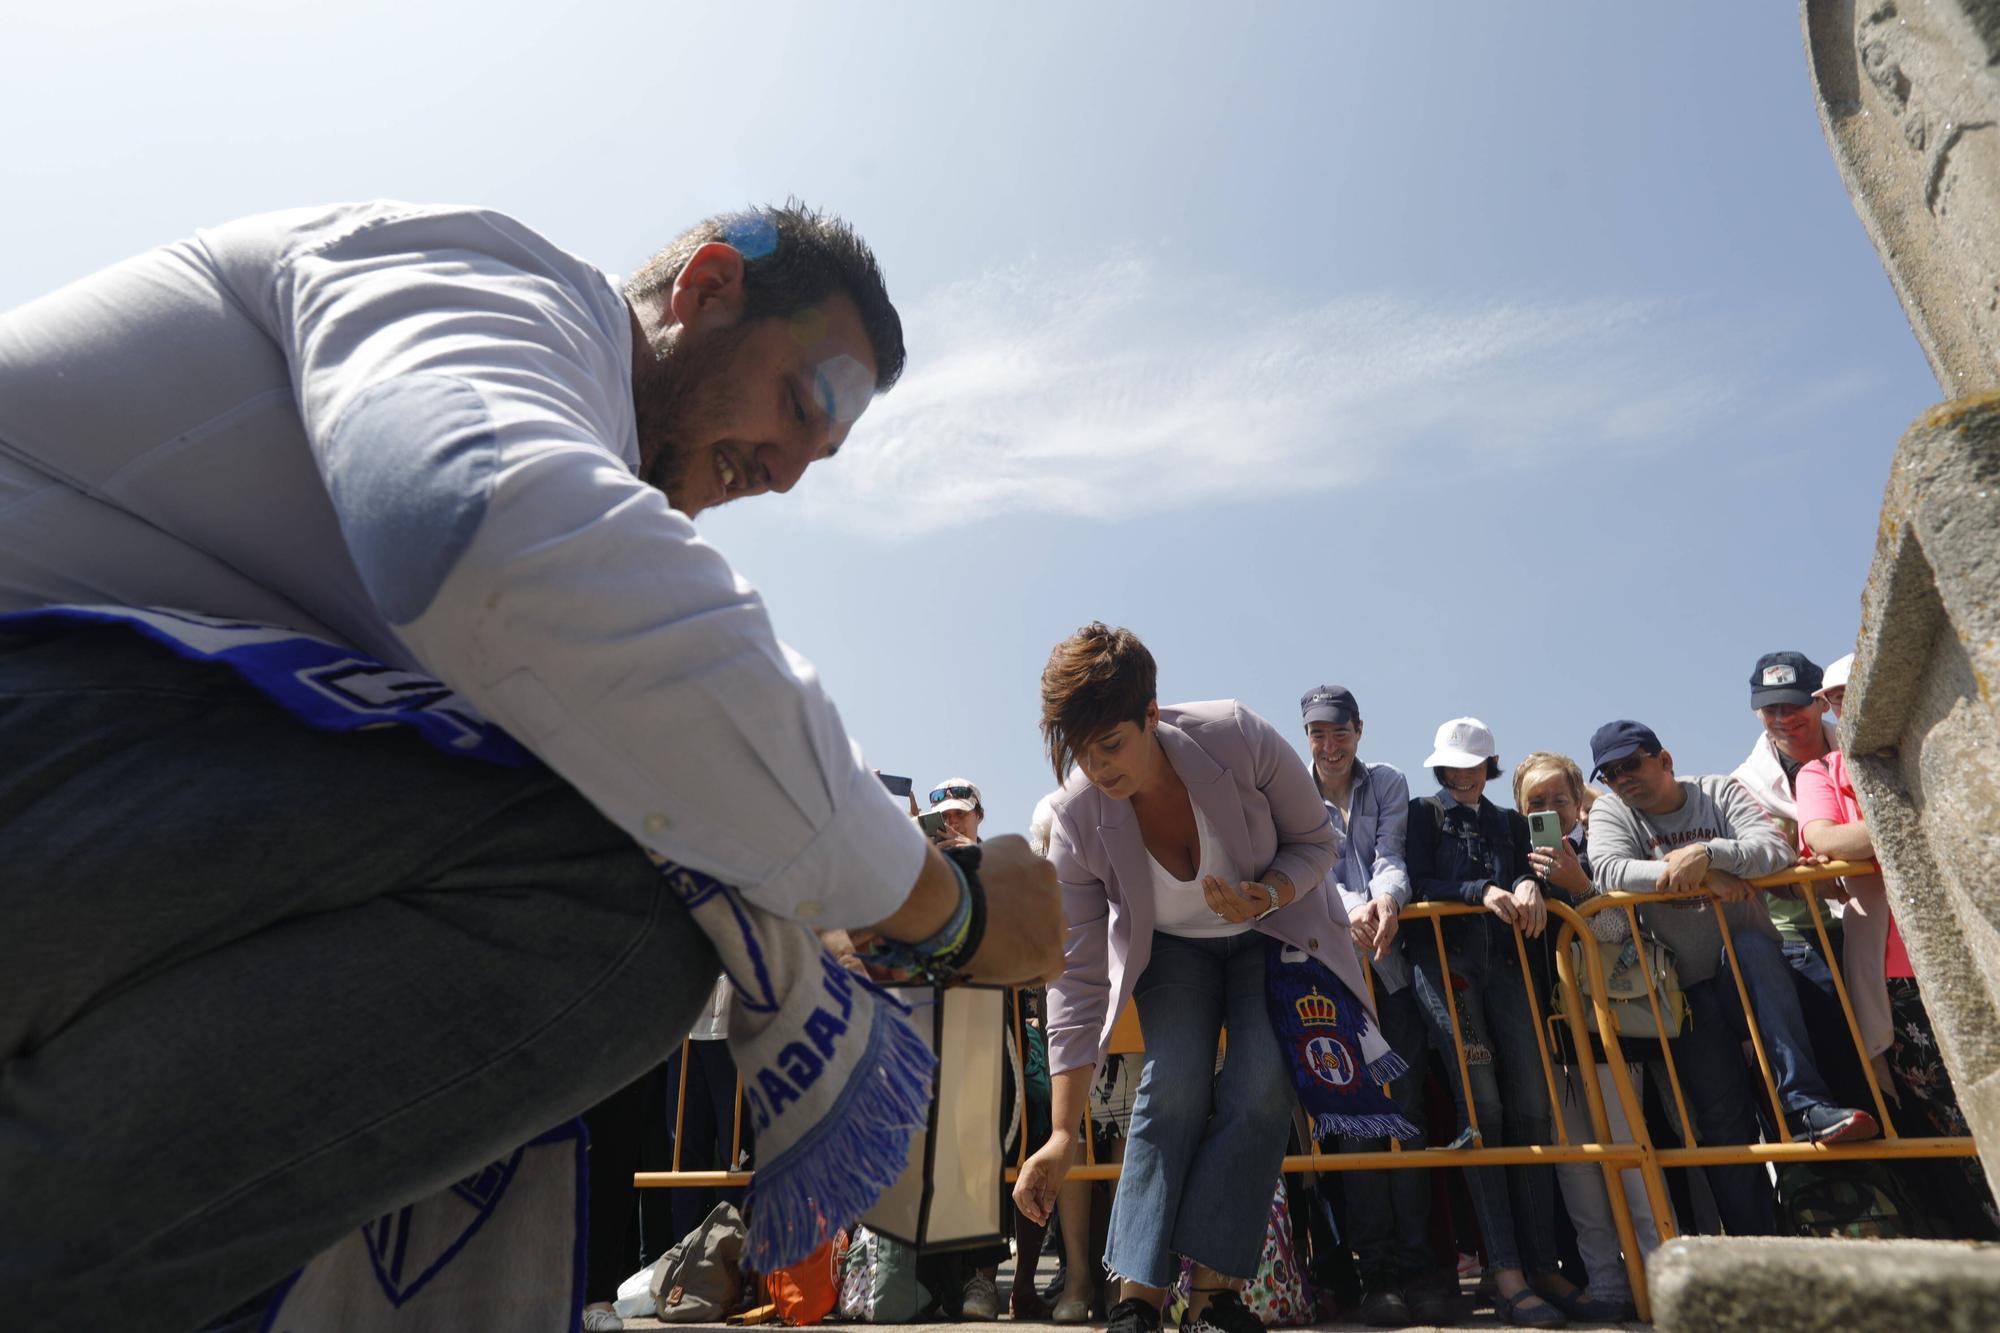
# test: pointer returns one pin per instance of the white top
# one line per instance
(1179, 906)
(410, 429)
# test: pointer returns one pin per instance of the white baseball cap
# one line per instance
(1463, 742)
(955, 794)
(1836, 675)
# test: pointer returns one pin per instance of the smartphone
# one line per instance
(1544, 829)
(932, 823)
(897, 786)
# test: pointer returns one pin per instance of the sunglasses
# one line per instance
(1625, 767)
(954, 794)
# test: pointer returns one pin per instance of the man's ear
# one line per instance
(708, 293)
(1152, 714)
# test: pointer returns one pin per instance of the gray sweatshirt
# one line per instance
(1628, 850)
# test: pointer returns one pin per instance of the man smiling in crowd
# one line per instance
(265, 981)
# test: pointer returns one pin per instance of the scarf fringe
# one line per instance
(837, 1171)
(1327, 1124)
(1388, 1067)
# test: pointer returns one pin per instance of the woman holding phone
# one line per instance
(1461, 848)
(1187, 835)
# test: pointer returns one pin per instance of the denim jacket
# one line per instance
(1454, 851)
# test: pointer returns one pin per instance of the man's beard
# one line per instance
(680, 402)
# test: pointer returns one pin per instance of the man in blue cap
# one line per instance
(1387, 1218)
(1659, 833)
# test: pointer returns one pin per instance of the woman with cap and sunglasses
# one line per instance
(1187, 836)
(1461, 848)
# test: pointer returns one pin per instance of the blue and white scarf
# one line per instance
(835, 1079)
(1328, 1035)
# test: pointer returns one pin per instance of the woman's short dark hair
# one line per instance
(793, 258)
(1492, 771)
(1096, 678)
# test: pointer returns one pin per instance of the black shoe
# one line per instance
(1431, 1303)
(1384, 1307)
(1226, 1313)
(1133, 1316)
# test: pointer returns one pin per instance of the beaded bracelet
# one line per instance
(939, 958)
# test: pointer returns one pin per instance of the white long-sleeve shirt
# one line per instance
(410, 429)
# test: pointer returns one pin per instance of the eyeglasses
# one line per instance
(954, 794)
(1620, 768)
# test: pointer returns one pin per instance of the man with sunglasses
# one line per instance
(1659, 833)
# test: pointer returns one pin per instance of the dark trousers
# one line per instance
(1388, 1214)
(1709, 1057)
(262, 983)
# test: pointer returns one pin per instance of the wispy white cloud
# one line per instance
(1126, 390)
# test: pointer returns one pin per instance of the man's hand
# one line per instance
(1023, 944)
(1686, 868)
(1729, 888)
(1374, 925)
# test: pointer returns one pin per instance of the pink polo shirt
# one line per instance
(1824, 792)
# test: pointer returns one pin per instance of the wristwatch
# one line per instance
(1271, 889)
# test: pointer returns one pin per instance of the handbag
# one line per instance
(1627, 964)
(699, 1280)
(948, 1197)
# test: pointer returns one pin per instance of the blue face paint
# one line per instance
(843, 387)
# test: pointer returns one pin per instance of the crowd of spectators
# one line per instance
(1166, 864)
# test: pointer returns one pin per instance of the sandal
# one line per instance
(1516, 1310)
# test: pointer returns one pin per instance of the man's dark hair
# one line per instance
(794, 258)
(1096, 678)
(1492, 771)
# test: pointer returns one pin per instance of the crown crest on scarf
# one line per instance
(1317, 1011)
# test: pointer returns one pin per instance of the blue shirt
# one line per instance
(1370, 863)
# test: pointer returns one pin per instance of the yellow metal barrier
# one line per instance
(1614, 1157)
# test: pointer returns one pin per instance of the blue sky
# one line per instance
(1521, 361)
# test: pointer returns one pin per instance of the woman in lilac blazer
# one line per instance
(1186, 836)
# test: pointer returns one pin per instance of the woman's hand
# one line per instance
(1501, 903)
(1534, 913)
(1239, 903)
(1558, 865)
(1041, 1176)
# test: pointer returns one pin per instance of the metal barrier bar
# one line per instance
(1837, 969)
(1614, 1158)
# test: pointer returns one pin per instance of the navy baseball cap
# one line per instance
(1614, 740)
(1784, 678)
(1330, 703)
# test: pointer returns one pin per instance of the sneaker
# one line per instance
(1837, 1124)
(1133, 1316)
(1384, 1307)
(1226, 1313)
(981, 1299)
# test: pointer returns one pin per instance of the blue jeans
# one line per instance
(1780, 1020)
(1205, 1149)
(1709, 1058)
(263, 983)
(1388, 1214)
(1516, 1204)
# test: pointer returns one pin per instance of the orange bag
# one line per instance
(804, 1293)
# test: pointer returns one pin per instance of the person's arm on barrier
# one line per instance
(1043, 1173)
(1389, 886)
(1619, 856)
(1823, 823)
(1753, 845)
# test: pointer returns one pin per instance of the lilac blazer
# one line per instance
(1259, 799)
